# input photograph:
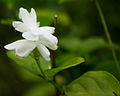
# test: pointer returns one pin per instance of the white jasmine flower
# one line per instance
(35, 36)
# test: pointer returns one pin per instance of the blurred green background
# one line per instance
(80, 33)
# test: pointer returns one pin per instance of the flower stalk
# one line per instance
(53, 55)
(54, 52)
(53, 82)
(108, 36)
(37, 59)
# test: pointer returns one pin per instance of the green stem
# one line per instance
(53, 82)
(37, 59)
(36, 56)
(108, 36)
(53, 52)
(58, 89)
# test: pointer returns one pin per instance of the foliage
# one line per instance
(94, 83)
(29, 63)
(80, 33)
(70, 63)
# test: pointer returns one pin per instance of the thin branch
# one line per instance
(53, 52)
(108, 36)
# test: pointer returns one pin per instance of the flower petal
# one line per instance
(24, 15)
(14, 45)
(49, 40)
(47, 29)
(25, 48)
(22, 47)
(28, 18)
(30, 36)
(33, 15)
(19, 26)
(44, 52)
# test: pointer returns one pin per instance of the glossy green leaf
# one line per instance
(27, 62)
(45, 65)
(70, 63)
(94, 83)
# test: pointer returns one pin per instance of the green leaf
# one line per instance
(70, 63)
(42, 89)
(27, 62)
(94, 83)
(27, 75)
(45, 65)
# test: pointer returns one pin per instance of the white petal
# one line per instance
(24, 15)
(33, 15)
(19, 26)
(28, 18)
(47, 29)
(14, 45)
(44, 52)
(25, 48)
(49, 40)
(30, 36)
(22, 47)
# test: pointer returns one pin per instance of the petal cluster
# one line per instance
(34, 36)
